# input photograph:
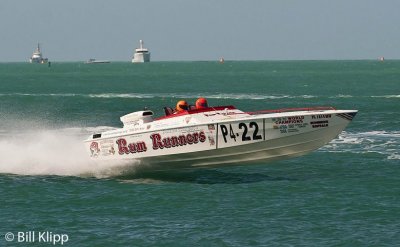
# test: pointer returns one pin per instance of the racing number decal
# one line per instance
(242, 132)
(244, 127)
(255, 133)
(224, 132)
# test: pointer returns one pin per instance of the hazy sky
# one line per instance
(76, 30)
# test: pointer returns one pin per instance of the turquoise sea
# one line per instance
(345, 194)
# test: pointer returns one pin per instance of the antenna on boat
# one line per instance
(141, 44)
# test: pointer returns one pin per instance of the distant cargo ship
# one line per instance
(92, 60)
(141, 55)
(37, 56)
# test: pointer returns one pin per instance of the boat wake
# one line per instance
(55, 152)
(386, 143)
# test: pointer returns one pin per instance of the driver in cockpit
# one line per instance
(182, 105)
(201, 103)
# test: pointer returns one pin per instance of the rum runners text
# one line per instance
(158, 142)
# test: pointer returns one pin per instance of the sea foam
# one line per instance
(386, 143)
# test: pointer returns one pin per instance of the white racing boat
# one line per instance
(216, 136)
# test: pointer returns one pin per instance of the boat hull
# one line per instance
(256, 139)
(266, 151)
(141, 57)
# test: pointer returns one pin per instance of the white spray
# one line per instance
(53, 152)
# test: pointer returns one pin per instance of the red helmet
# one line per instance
(201, 103)
(182, 105)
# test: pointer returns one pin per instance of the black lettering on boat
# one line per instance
(224, 132)
(319, 116)
(244, 135)
(232, 133)
(246, 128)
(255, 136)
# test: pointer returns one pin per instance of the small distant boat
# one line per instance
(37, 56)
(221, 60)
(92, 60)
(382, 59)
(141, 55)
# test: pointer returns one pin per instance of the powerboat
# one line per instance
(217, 136)
(141, 55)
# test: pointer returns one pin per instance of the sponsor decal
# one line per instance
(290, 120)
(94, 149)
(101, 148)
(106, 147)
(160, 142)
(321, 116)
(224, 113)
(320, 124)
(289, 124)
(125, 148)
(211, 140)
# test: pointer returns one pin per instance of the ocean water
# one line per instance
(345, 194)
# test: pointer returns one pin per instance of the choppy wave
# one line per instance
(120, 95)
(386, 143)
(386, 96)
(41, 94)
(191, 95)
(165, 95)
(236, 96)
(341, 96)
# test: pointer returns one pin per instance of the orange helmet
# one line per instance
(201, 103)
(182, 105)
